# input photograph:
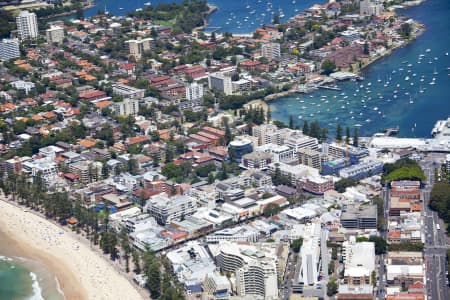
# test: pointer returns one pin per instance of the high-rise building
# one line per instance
(371, 8)
(139, 46)
(309, 157)
(254, 267)
(271, 50)
(27, 25)
(128, 107)
(194, 91)
(55, 34)
(220, 82)
(9, 49)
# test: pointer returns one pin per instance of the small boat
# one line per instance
(407, 78)
(428, 50)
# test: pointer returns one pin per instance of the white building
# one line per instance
(128, 91)
(27, 25)
(241, 85)
(55, 34)
(191, 263)
(45, 168)
(310, 254)
(255, 268)
(359, 261)
(128, 107)
(194, 91)
(296, 172)
(26, 86)
(236, 234)
(9, 49)
(165, 209)
(216, 286)
(221, 82)
(269, 133)
(299, 141)
(279, 153)
(271, 50)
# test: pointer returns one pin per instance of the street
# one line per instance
(436, 241)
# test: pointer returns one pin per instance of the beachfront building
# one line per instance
(254, 268)
(9, 49)
(45, 168)
(299, 141)
(271, 134)
(27, 26)
(55, 34)
(165, 209)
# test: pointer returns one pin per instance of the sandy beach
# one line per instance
(81, 272)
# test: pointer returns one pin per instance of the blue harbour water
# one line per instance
(409, 89)
(242, 16)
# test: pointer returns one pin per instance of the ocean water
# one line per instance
(25, 279)
(409, 89)
(17, 282)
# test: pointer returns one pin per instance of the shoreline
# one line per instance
(81, 273)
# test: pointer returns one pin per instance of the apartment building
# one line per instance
(165, 209)
(127, 107)
(128, 91)
(254, 268)
(55, 34)
(9, 49)
(221, 82)
(139, 46)
(194, 91)
(271, 51)
(309, 157)
(27, 26)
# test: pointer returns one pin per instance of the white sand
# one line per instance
(97, 279)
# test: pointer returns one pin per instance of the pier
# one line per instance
(392, 131)
(329, 87)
